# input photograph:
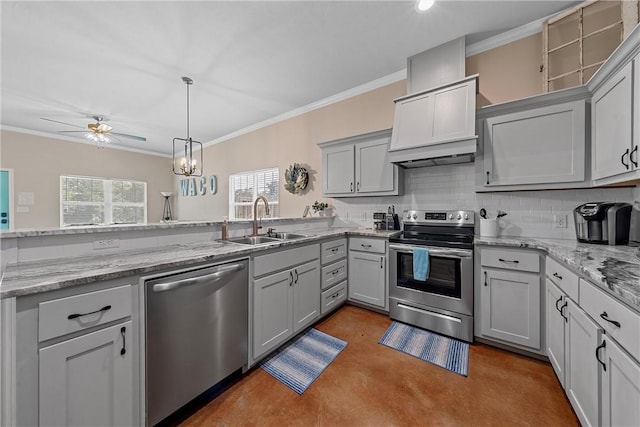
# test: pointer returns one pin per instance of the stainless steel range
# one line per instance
(443, 302)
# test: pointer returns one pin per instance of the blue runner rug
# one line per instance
(433, 348)
(298, 364)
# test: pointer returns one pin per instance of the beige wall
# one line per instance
(38, 163)
(508, 72)
(290, 141)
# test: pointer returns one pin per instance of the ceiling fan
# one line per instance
(99, 131)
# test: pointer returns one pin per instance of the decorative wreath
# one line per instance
(296, 178)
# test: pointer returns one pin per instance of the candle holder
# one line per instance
(166, 212)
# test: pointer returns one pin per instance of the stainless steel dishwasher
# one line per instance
(196, 333)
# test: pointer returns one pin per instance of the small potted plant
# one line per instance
(319, 207)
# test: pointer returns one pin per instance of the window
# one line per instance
(98, 201)
(245, 187)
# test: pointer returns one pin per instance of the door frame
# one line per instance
(11, 196)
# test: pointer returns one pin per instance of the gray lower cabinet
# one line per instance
(583, 336)
(87, 380)
(620, 386)
(287, 301)
(368, 272)
(509, 298)
(539, 143)
(555, 336)
(333, 256)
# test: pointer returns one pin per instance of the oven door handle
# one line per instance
(441, 252)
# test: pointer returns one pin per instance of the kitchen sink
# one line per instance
(288, 236)
(253, 240)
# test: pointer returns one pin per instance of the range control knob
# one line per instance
(408, 216)
(415, 216)
(466, 217)
(459, 217)
(450, 216)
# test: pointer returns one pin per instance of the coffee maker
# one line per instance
(602, 223)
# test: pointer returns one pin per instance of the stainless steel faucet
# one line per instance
(255, 213)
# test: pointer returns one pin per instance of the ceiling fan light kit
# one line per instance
(99, 131)
(187, 165)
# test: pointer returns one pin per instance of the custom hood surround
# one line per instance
(435, 124)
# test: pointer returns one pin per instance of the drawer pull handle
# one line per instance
(76, 315)
(513, 261)
(566, 319)
(334, 272)
(603, 345)
(334, 250)
(123, 330)
(558, 302)
(556, 275)
(605, 316)
(365, 246)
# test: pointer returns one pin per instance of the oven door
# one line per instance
(449, 285)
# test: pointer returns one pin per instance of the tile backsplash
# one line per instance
(529, 213)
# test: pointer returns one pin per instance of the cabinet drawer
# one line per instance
(333, 251)
(65, 315)
(563, 277)
(332, 298)
(512, 259)
(367, 245)
(334, 273)
(276, 261)
(596, 303)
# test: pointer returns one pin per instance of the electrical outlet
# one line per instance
(560, 221)
(105, 244)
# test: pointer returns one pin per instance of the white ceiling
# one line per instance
(250, 61)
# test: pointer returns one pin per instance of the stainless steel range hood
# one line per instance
(447, 153)
(435, 125)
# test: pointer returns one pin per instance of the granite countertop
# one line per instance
(47, 275)
(616, 269)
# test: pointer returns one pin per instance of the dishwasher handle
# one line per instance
(215, 276)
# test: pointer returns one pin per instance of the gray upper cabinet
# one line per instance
(536, 143)
(615, 121)
(359, 166)
(612, 125)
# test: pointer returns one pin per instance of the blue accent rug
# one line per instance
(299, 364)
(433, 348)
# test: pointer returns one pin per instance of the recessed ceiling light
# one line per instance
(422, 5)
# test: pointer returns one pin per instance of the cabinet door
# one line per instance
(374, 172)
(306, 294)
(338, 170)
(413, 122)
(582, 369)
(87, 380)
(367, 278)
(620, 387)
(539, 146)
(555, 329)
(510, 307)
(272, 311)
(454, 112)
(611, 132)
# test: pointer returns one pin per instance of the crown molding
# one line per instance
(349, 93)
(79, 141)
(509, 36)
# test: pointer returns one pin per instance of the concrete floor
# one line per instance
(369, 384)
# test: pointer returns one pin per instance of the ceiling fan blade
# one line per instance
(62, 123)
(124, 135)
(72, 131)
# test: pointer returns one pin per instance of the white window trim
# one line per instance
(232, 204)
(108, 202)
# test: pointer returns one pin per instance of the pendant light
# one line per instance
(187, 165)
